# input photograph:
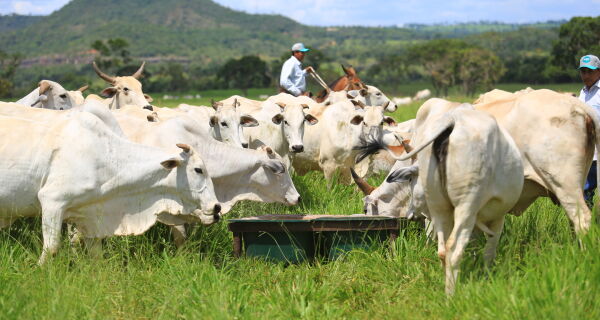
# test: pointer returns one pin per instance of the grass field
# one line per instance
(541, 271)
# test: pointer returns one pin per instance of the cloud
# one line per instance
(35, 7)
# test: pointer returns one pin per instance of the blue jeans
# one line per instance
(590, 185)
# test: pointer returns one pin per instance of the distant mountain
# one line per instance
(16, 22)
(200, 30)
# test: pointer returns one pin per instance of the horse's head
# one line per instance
(352, 82)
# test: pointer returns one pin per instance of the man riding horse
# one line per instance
(293, 77)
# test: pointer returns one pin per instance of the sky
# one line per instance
(379, 13)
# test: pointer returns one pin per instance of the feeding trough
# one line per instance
(297, 238)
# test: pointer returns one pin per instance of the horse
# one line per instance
(348, 82)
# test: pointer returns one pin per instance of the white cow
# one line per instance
(400, 101)
(224, 122)
(329, 145)
(469, 173)
(281, 125)
(422, 94)
(76, 170)
(96, 108)
(51, 95)
(124, 90)
(556, 135)
(237, 174)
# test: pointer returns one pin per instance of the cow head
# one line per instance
(275, 183)
(227, 123)
(373, 120)
(374, 97)
(395, 196)
(292, 119)
(52, 95)
(125, 90)
(194, 185)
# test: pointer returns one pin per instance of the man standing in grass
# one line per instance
(293, 77)
(589, 69)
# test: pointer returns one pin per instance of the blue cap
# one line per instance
(589, 61)
(299, 47)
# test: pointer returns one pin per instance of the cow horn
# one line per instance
(138, 73)
(82, 89)
(103, 75)
(362, 184)
(407, 146)
(44, 86)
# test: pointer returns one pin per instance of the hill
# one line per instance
(201, 30)
(17, 22)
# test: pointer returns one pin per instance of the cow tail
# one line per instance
(440, 151)
(444, 126)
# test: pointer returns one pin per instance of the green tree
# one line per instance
(8, 66)
(578, 37)
(244, 73)
(439, 58)
(477, 68)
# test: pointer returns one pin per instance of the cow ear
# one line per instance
(214, 121)
(311, 119)
(403, 174)
(148, 98)
(44, 86)
(389, 120)
(363, 92)
(185, 147)
(248, 121)
(153, 117)
(275, 166)
(356, 120)
(281, 105)
(109, 92)
(216, 105)
(305, 106)
(277, 119)
(171, 163)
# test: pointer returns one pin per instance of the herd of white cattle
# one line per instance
(117, 165)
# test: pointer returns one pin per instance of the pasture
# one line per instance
(541, 270)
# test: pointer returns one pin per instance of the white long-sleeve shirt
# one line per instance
(591, 97)
(293, 78)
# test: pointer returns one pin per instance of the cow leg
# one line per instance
(489, 253)
(577, 211)
(52, 218)
(179, 235)
(441, 219)
(464, 221)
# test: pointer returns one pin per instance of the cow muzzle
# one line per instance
(297, 148)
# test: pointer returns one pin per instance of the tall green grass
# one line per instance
(541, 272)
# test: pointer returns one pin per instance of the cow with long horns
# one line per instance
(125, 90)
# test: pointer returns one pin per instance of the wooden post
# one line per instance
(237, 244)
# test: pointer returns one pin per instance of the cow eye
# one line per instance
(63, 96)
(285, 122)
(198, 170)
(125, 89)
(224, 124)
(378, 93)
